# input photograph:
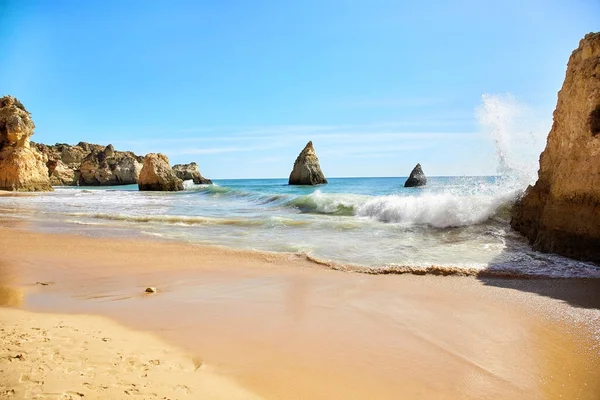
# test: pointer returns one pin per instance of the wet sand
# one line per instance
(284, 327)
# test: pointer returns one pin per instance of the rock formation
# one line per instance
(561, 213)
(158, 175)
(306, 168)
(90, 165)
(21, 166)
(416, 178)
(191, 171)
(110, 167)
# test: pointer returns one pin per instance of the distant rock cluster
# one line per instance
(88, 164)
(191, 171)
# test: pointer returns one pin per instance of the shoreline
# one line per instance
(281, 326)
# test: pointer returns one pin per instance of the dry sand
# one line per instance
(284, 328)
(49, 356)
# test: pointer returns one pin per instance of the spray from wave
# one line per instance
(518, 135)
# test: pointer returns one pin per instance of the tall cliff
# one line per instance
(21, 166)
(561, 212)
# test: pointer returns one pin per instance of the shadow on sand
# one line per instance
(578, 292)
(583, 293)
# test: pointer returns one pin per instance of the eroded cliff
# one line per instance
(21, 166)
(561, 212)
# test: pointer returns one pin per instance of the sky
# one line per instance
(241, 86)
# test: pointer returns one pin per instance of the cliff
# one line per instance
(307, 170)
(21, 166)
(88, 164)
(561, 212)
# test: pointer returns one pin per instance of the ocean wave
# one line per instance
(553, 266)
(177, 219)
(436, 210)
(325, 203)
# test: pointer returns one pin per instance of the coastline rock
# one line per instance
(158, 175)
(90, 165)
(191, 171)
(21, 166)
(561, 212)
(307, 170)
(60, 174)
(416, 178)
(109, 167)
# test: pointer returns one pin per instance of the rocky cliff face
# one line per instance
(21, 166)
(90, 165)
(158, 175)
(416, 178)
(561, 213)
(110, 167)
(307, 170)
(190, 171)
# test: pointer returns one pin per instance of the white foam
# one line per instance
(439, 210)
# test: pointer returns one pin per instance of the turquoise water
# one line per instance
(459, 222)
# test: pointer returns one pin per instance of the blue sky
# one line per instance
(241, 86)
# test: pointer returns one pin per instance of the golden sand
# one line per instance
(283, 327)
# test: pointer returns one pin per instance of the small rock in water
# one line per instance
(150, 289)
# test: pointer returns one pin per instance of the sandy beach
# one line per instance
(49, 356)
(279, 326)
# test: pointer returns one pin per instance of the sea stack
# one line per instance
(307, 170)
(561, 212)
(158, 175)
(190, 171)
(416, 178)
(21, 167)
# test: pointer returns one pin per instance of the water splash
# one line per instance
(519, 135)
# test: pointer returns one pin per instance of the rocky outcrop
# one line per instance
(21, 166)
(561, 212)
(307, 170)
(109, 167)
(158, 175)
(190, 171)
(416, 178)
(90, 165)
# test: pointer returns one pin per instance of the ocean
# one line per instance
(452, 225)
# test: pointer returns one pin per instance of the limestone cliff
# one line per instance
(90, 165)
(21, 166)
(190, 171)
(307, 170)
(110, 167)
(158, 175)
(416, 178)
(561, 212)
